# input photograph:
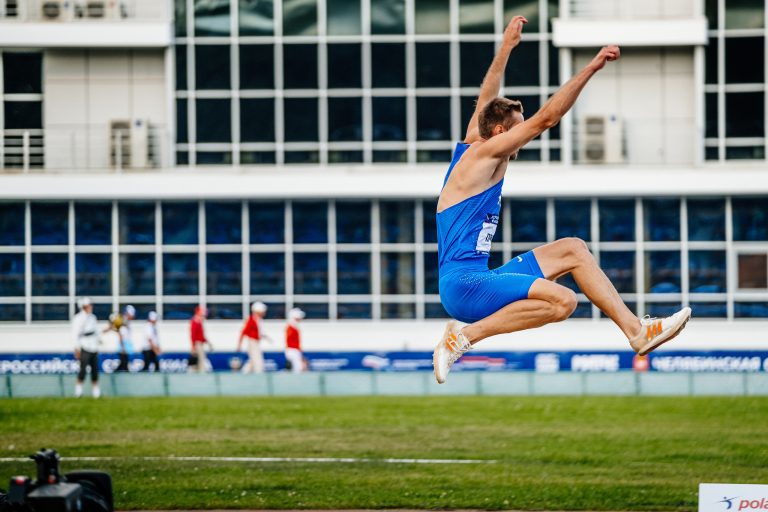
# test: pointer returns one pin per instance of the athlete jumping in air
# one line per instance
(521, 294)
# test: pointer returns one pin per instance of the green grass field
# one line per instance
(553, 453)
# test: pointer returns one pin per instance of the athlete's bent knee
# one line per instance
(565, 305)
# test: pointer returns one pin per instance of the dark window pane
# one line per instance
(137, 274)
(620, 269)
(344, 66)
(388, 64)
(267, 273)
(343, 17)
(180, 274)
(300, 120)
(617, 220)
(345, 119)
(12, 223)
(495, 258)
(711, 12)
(11, 275)
(583, 310)
(389, 157)
(397, 221)
(393, 311)
(467, 107)
(256, 17)
(572, 218)
(224, 273)
(433, 121)
(180, 223)
(750, 309)
(300, 66)
(310, 222)
(529, 220)
(257, 120)
(744, 114)
(354, 311)
(432, 16)
(387, 16)
(554, 63)
(211, 17)
(528, 8)
(213, 121)
(314, 310)
(212, 67)
(180, 17)
(302, 157)
(23, 114)
(299, 17)
(745, 152)
(476, 17)
(744, 60)
(433, 155)
(475, 60)
(354, 272)
(389, 119)
(431, 274)
(523, 67)
(172, 311)
(398, 275)
(50, 274)
(11, 312)
(181, 67)
(266, 222)
(93, 274)
(257, 158)
(225, 311)
(662, 271)
(433, 68)
(707, 271)
(223, 223)
(750, 219)
(753, 271)
(93, 223)
(345, 157)
(22, 73)
(310, 273)
(214, 158)
(257, 66)
(662, 219)
(706, 219)
(711, 61)
(430, 222)
(50, 312)
(662, 309)
(435, 310)
(182, 132)
(137, 223)
(710, 107)
(744, 13)
(50, 223)
(709, 309)
(353, 222)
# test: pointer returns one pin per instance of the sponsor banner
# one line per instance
(545, 362)
(733, 498)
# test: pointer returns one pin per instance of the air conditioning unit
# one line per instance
(57, 10)
(601, 139)
(129, 143)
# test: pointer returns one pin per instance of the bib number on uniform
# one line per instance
(486, 233)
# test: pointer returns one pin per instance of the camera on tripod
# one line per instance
(77, 491)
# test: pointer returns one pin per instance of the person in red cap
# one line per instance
(253, 333)
(293, 356)
(198, 359)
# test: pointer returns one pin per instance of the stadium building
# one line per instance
(165, 154)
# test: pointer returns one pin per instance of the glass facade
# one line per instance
(364, 259)
(345, 82)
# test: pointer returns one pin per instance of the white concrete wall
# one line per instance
(635, 9)
(652, 91)
(85, 89)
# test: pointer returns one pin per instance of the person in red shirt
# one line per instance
(293, 354)
(199, 359)
(253, 333)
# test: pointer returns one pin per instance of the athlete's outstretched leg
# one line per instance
(572, 255)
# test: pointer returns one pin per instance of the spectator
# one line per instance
(125, 336)
(294, 358)
(198, 360)
(86, 333)
(151, 347)
(253, 333)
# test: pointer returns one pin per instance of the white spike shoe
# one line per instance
(451, 347)
(657, 331)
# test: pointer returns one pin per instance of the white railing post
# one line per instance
(25, 150)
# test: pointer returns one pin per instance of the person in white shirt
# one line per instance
(294, 357)
(253, 333)
(85, 331)
(151, 345)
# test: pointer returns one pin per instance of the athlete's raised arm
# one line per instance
(492, 81)
(509, 142)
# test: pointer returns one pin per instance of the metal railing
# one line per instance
(82, 10)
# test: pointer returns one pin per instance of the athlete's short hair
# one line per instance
(498, 111)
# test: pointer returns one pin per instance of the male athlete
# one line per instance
(521, 294)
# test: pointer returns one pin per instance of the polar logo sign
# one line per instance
(733, 497)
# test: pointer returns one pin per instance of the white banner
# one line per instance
(733, 498)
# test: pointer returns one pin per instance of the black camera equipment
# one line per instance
(77, 491)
